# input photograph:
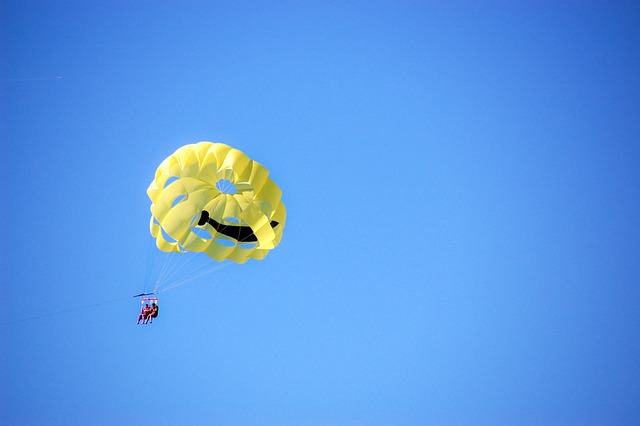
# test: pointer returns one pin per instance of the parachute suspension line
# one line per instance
(164, 270)
(191, 279)
(180, 263)
(150, 264)
(182, 268)
(203, 271)
(173, 262)
(192, 275)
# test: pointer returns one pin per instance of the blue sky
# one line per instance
(462, 235)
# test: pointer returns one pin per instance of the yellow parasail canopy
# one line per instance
(208, 197)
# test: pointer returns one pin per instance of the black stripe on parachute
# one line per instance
(240, 233)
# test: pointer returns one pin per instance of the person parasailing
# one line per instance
(153, 313)
(144, 312)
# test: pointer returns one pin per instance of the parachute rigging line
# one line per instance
(189, 279)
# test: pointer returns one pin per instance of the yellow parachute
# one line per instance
(209, 197)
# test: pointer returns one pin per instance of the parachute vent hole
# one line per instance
(168, 237)
(226, 187)
(201, 232)
(225, 242)
(178, 200)
(171, 180)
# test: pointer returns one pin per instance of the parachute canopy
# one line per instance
(211, 198)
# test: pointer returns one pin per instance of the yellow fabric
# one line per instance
(185, 185)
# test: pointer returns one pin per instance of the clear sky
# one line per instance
(461, 181)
